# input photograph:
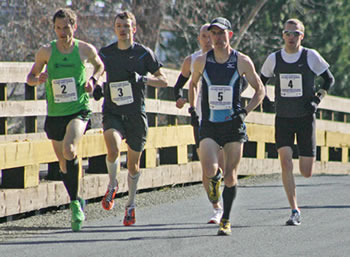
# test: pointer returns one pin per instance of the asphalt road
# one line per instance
(178, 228)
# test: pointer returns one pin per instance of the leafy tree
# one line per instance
(330, 34)
(326, 30)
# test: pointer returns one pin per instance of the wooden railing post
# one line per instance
(324, 154)
(345, 154)
(260, 152)
(3, 120)
(31, 122)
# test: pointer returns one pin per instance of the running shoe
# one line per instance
(108, 199)
(214, 188)
(215, 219)
(225, 228)
(77, 215)
(129, 218)
(294, 219)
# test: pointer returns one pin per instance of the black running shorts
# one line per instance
(223, 132)
(55, 126)
(132, 127)
(303, 128)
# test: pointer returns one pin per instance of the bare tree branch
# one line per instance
(248, 22)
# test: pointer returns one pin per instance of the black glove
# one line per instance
(97, 93)
(238, 117)
(311, 106)
(194, 117)
(134, 78)
(267, 105)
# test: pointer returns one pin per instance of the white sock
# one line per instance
(132, 183)
(112, 172)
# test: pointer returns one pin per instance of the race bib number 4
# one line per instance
(220, 97)
(64, 90)
(121, 92)
(291, 85)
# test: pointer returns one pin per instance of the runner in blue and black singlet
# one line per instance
(222, 127)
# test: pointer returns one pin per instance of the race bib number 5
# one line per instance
(121, 92)
(220, 97)
(64, 90)
(291, 85)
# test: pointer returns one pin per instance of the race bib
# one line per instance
(220, 97)
(121, 92)
(291, 85)
(64, 90)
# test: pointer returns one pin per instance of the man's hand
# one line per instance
(238, 117)
(97, 93)
(313, 104)
(267, 105)
(134, 78)
(43, 77)
(194, 117)
(89, 86)
(180, 102)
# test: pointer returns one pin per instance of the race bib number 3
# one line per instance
(64, 90)
(291, 85)
(121, 92)
(220, 97)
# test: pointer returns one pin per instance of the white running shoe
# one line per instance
(294, 219)
(215, 219)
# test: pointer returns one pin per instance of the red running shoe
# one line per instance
(108, 199)
(129, 218)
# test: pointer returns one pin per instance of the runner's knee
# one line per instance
(306, 172)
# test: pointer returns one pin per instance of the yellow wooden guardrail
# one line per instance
(21, 155)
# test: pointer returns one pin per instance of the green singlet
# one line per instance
(65, 87)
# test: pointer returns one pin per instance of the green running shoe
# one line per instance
(77, 215)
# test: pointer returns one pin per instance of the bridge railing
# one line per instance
(167, 158)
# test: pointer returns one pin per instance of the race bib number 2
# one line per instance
(121, 93)
(220, 97)
(64, 90)
(291, 85)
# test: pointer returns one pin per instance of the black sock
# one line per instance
(71, 178)
(228, 195)
(64, 180)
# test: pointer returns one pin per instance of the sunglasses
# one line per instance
(295, 33)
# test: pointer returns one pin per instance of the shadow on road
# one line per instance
(122, 230)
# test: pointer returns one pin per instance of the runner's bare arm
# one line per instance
(36, 76)
(198, 67)
(186, 67)
(157, 79)
(96, 61)
(246, 67)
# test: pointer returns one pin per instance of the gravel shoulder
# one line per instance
(59, 218)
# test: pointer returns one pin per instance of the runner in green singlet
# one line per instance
(67, 96)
